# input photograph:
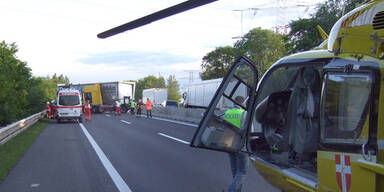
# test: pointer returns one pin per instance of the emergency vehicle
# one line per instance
(68, 105)
(315, 121)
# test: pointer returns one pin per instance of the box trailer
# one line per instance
(200, 94)
(156, 95)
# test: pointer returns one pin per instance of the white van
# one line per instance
(68, 105)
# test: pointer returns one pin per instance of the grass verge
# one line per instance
(11, 152)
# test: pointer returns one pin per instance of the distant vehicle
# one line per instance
(170, 104)
(102, 96)
(157, 95)
(69, 105)
(199, 94)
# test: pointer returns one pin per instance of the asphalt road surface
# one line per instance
(123, 153)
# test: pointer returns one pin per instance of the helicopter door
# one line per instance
(225, 122)
(347, 161)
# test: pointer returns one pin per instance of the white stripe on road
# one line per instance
(119, 182)
(107, 115)
(176, 139)
(173, 121)
(127, 122)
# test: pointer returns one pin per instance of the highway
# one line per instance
(123, 153)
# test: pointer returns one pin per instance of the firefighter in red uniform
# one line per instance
(87, 109)
(117, 105)
(53, 109)
(48, 109)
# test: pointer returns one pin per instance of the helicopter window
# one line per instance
(344, 102)
(278, 80)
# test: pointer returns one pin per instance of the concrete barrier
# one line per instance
(180, 114)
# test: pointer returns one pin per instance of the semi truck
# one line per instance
(158, 96)
(103, 96)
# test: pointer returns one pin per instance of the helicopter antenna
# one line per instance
(186, 5)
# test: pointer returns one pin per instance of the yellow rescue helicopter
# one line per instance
(315, 121)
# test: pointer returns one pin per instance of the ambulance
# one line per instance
(68, 105)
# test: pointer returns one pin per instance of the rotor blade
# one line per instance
(186, 5)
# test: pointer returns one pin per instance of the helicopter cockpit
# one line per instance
(287, 114)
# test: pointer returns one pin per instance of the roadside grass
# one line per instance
(13, 150)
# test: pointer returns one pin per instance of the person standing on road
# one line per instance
(148, 107)
(132, 104)
(117, 111)
(139, 107)
(48, 110)
(53, 109)
(87, 109)
(239, 161)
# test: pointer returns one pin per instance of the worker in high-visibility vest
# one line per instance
(87, 109)
(239, 161)
(133, 104)
(148, 108)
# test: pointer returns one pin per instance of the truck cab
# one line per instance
(69, 105)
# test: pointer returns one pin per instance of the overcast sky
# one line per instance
(59, 36)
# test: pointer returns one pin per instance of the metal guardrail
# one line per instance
(10, 131)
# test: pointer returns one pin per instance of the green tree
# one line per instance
(216, 64)
(14, 77)
(20, 93)
(263, 46)
(173, 89)
(147, 82)
(36, 97)
(304, 34)
(50, 85)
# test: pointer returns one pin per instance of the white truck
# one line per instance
(157, 96)
(199, 94)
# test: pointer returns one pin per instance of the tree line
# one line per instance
(265, 47)
(22, 94)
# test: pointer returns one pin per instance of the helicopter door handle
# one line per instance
(367, 154)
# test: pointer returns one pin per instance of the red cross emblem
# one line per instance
(343, 172)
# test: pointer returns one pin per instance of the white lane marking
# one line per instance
(176, 139)
(107, 115)
(119, 182)
(173, 121)
(127, 122)
(34, 185)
